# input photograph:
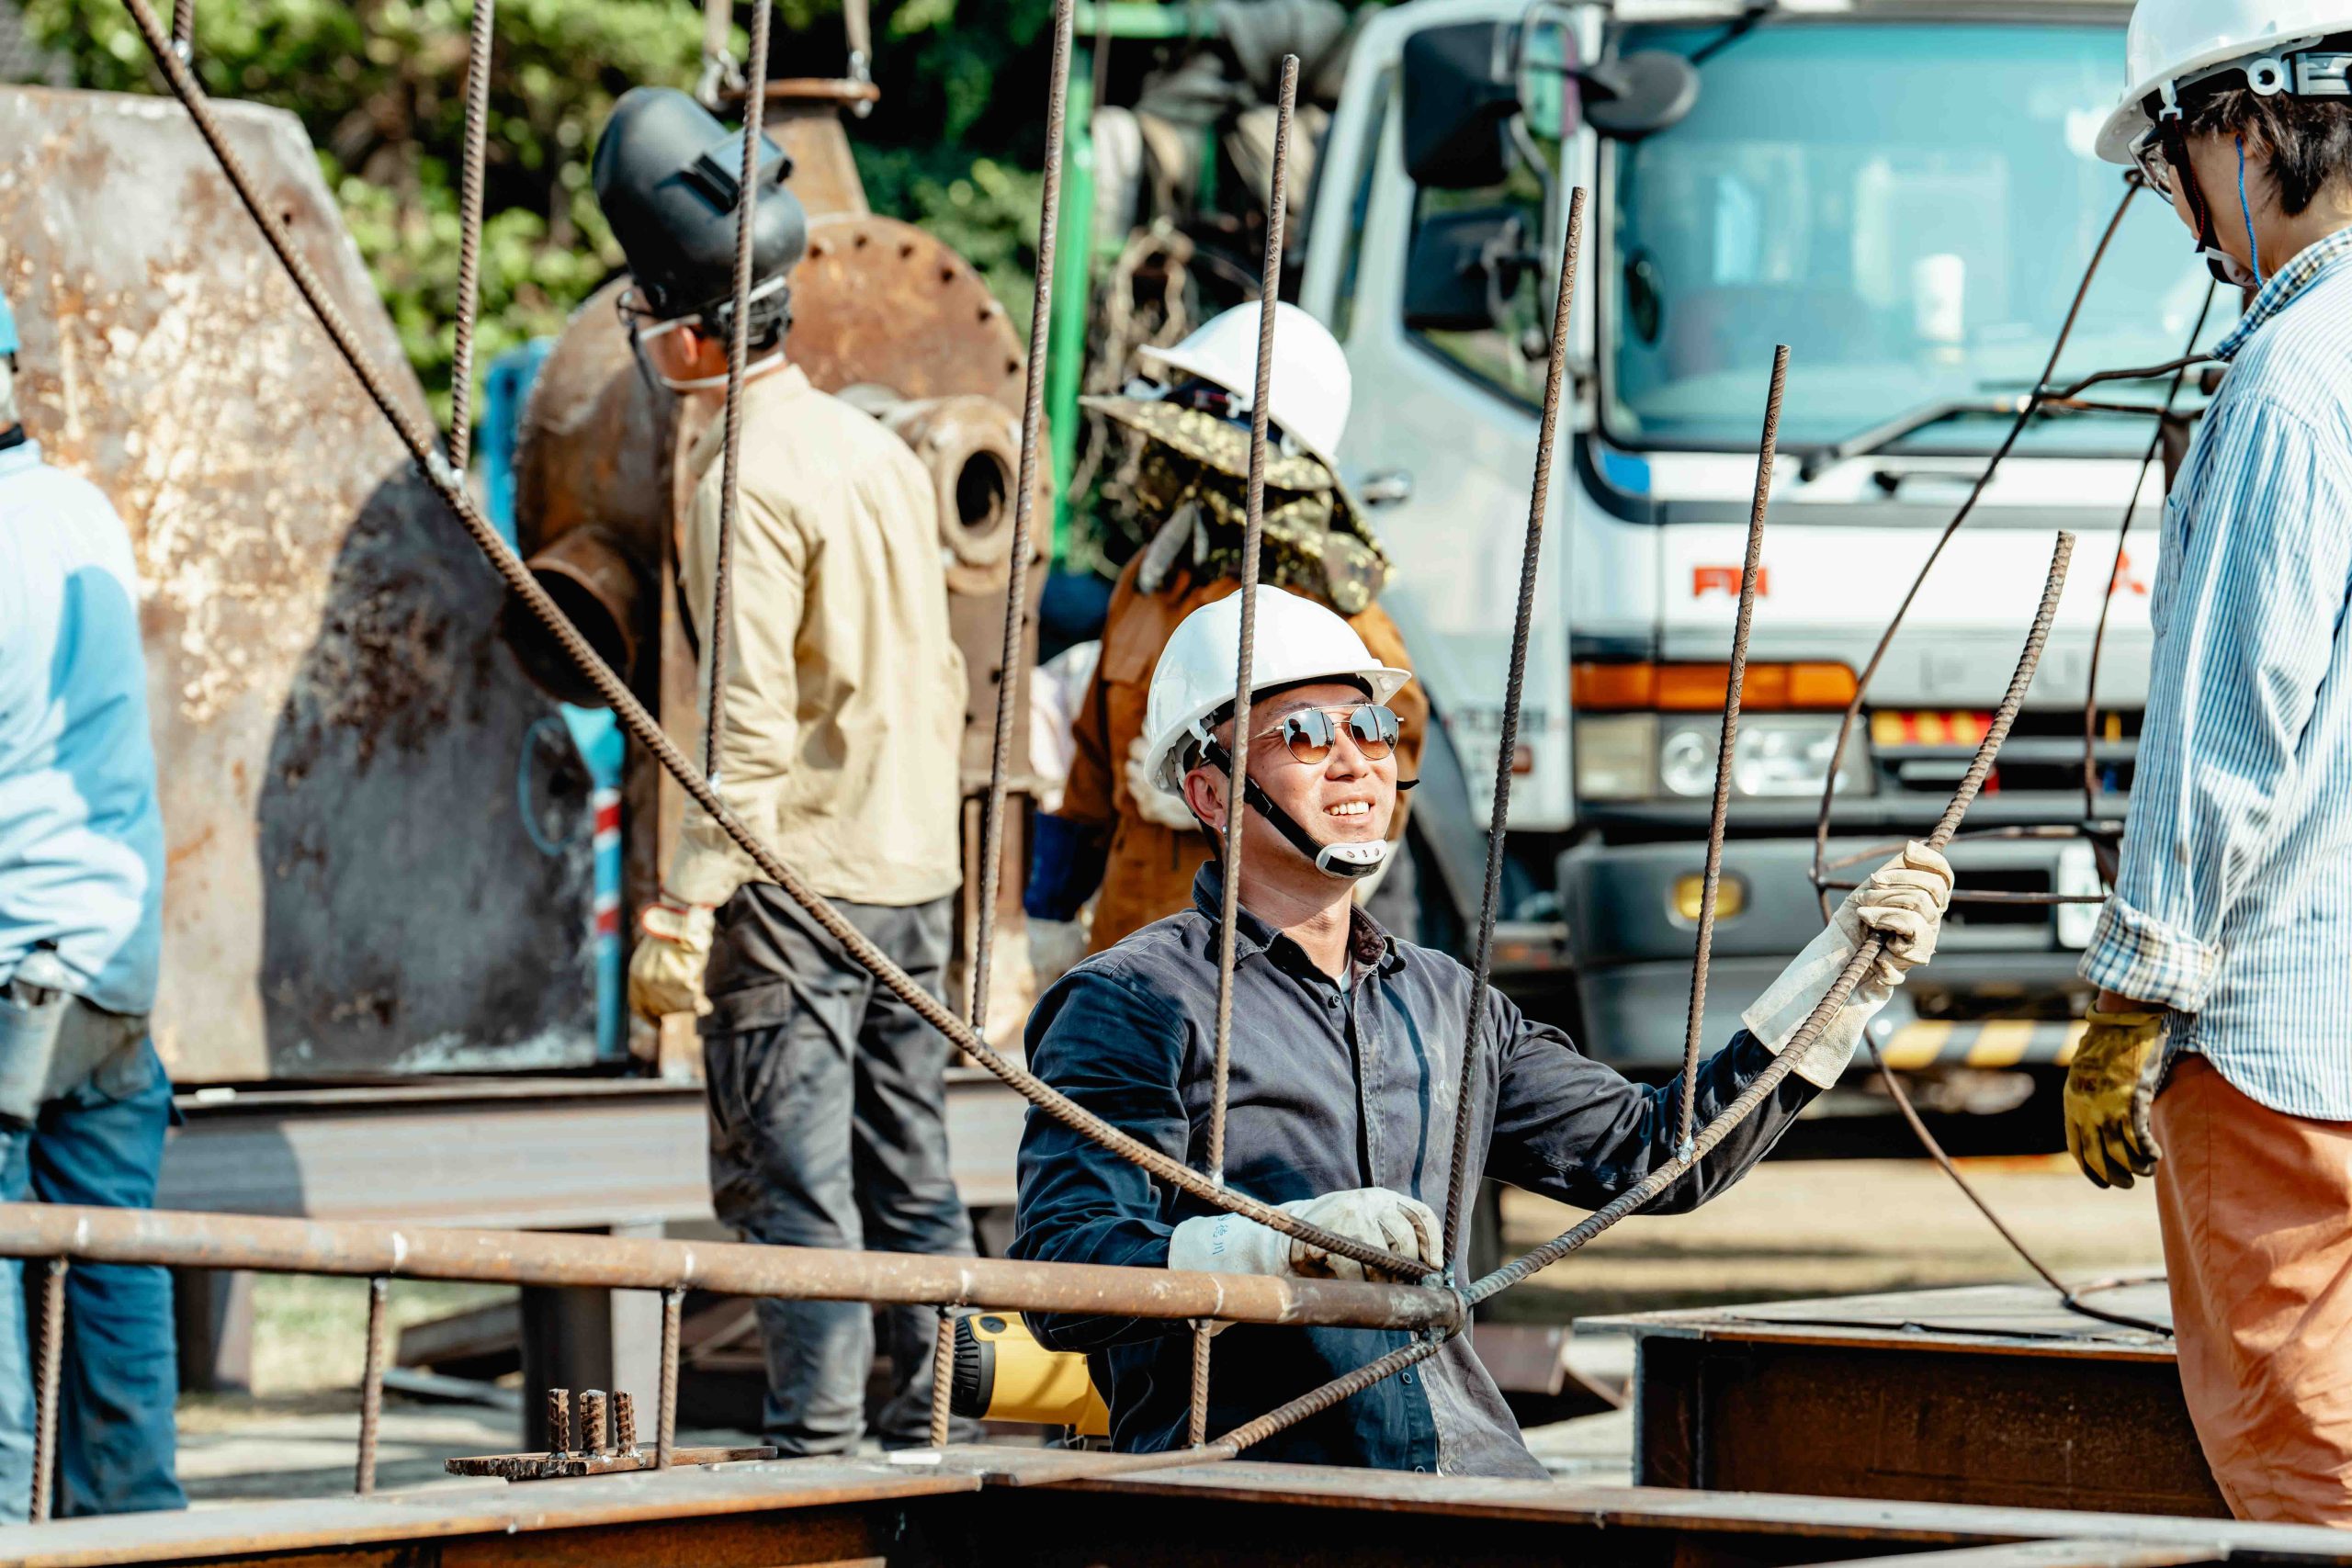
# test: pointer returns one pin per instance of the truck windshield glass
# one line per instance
(1909, 205)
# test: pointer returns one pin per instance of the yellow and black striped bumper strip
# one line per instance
(1995, 1043)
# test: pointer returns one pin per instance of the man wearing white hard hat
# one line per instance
(1346, 1063)
(2219, 1057)
(1186, 484)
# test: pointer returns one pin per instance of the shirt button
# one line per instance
(1420, 1469)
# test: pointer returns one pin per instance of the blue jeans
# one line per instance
(101, 1145)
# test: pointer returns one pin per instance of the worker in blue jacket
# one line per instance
(84, 1100)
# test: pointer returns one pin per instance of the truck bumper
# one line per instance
(1999, 993)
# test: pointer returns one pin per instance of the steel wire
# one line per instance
(1866, 953)
(647, 731)
(1727, 744)
(1507, 745)
(1025, 503)
(738, 348)
(478, 47)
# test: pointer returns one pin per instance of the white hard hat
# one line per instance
(1310, 387)
(1297, 640)
(2174, 41)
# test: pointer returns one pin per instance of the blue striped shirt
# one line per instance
(2232, 907)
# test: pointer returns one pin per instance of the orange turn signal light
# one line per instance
(1597, 687)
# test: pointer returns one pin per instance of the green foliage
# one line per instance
(379, 85)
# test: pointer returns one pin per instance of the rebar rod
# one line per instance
(478, 47)
(1727, 744)
(183, 29)
(624, 1421)
(371, 1383)
(719, 634)
(1317, 1401)
(665, 1414)
(1967, 509)
(559, 1436)
(1024, 506)
(1538, 500)
(1196, 1420)
(943, 1377)
(1865, 954)
(2115, 574)
(647, 731)
(49, 1349)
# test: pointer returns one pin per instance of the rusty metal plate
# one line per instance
(881, 302)
(346, 752)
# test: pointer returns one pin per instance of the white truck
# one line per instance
(1907, 195)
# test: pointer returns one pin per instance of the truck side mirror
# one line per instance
(1460, 89)
(1463, 268)
(1638, 95)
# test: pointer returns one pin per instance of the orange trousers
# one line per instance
(2256, 1209)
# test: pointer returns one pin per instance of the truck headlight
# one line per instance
(1632, 757)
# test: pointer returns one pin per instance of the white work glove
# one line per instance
(1228, 1243)
(1905, 902)
(673, 950)
(1154, 803)
(1054, 948)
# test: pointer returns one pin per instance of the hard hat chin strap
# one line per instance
(1346, 862)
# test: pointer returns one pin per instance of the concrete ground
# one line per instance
(1796, 1227)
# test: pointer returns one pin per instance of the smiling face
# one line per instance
(1345, 798)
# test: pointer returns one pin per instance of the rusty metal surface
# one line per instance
(948, 1508)
(177, 1239)
(1989, 1395)
(332, 716)
(880, 302)
(624, 1457)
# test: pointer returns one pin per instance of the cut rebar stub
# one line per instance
(595, 1429)
(559, 1421)
(624, 1422)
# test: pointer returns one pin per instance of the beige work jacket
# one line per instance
(845, 690)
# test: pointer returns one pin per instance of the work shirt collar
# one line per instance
(15, 459)
(1369, 947)
(2320, 257)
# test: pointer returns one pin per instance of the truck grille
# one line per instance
(1926, 752)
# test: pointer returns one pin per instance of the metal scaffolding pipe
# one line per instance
(180, 1240)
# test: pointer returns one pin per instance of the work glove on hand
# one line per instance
(1154, 803)
(1904, 901)
(1228, 1243)
(1054, 948)
(2109, 1091)
(672, 949)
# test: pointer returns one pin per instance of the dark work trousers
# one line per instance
(828, 1128)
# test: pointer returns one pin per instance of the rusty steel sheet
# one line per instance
(1990, 1395)
(957, 1506)
(182, 1240)
(344, 750)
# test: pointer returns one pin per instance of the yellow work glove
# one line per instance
(665, 972)
(2109, 1091)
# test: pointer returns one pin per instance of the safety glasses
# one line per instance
(663, 357)
(2150, 155)
(1309, 734)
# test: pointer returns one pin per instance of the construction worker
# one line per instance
(844, 691)
(1112, 831)
(1345, 1065)
(84, 1099)
(2218, 1042)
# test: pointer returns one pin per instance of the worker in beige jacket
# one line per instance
(845, 690)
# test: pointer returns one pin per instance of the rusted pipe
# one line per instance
(182, 1240)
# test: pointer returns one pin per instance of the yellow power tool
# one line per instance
(1004, 1374)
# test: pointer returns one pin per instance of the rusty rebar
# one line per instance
(2115, 572)
(470, 199)
(1317, 1401)
(1024, 505)
(1865, 954)
(739, 348)
(1539, 502)
(1727, 744)
(183, 29)
(595, 1421)
(647, 731)
(665, 1414)
(624, 1422)
(371, 1383)
(48, 1368)
(943, 1377)
(1196, 1420)
(559, 1421)
(1967, 509)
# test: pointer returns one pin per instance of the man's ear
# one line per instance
(1205, 794)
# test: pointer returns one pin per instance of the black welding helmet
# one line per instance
(666, 176)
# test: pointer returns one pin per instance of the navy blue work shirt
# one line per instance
(1332, 1087)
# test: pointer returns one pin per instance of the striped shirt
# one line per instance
(2232, 907)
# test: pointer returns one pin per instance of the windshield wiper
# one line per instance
(1878, 437)
(1734, 31)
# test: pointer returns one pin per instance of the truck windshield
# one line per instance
(1909, 205)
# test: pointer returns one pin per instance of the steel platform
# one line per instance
(975, 1506)
(1994, 1395)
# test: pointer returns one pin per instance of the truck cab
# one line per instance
(1907, 196)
